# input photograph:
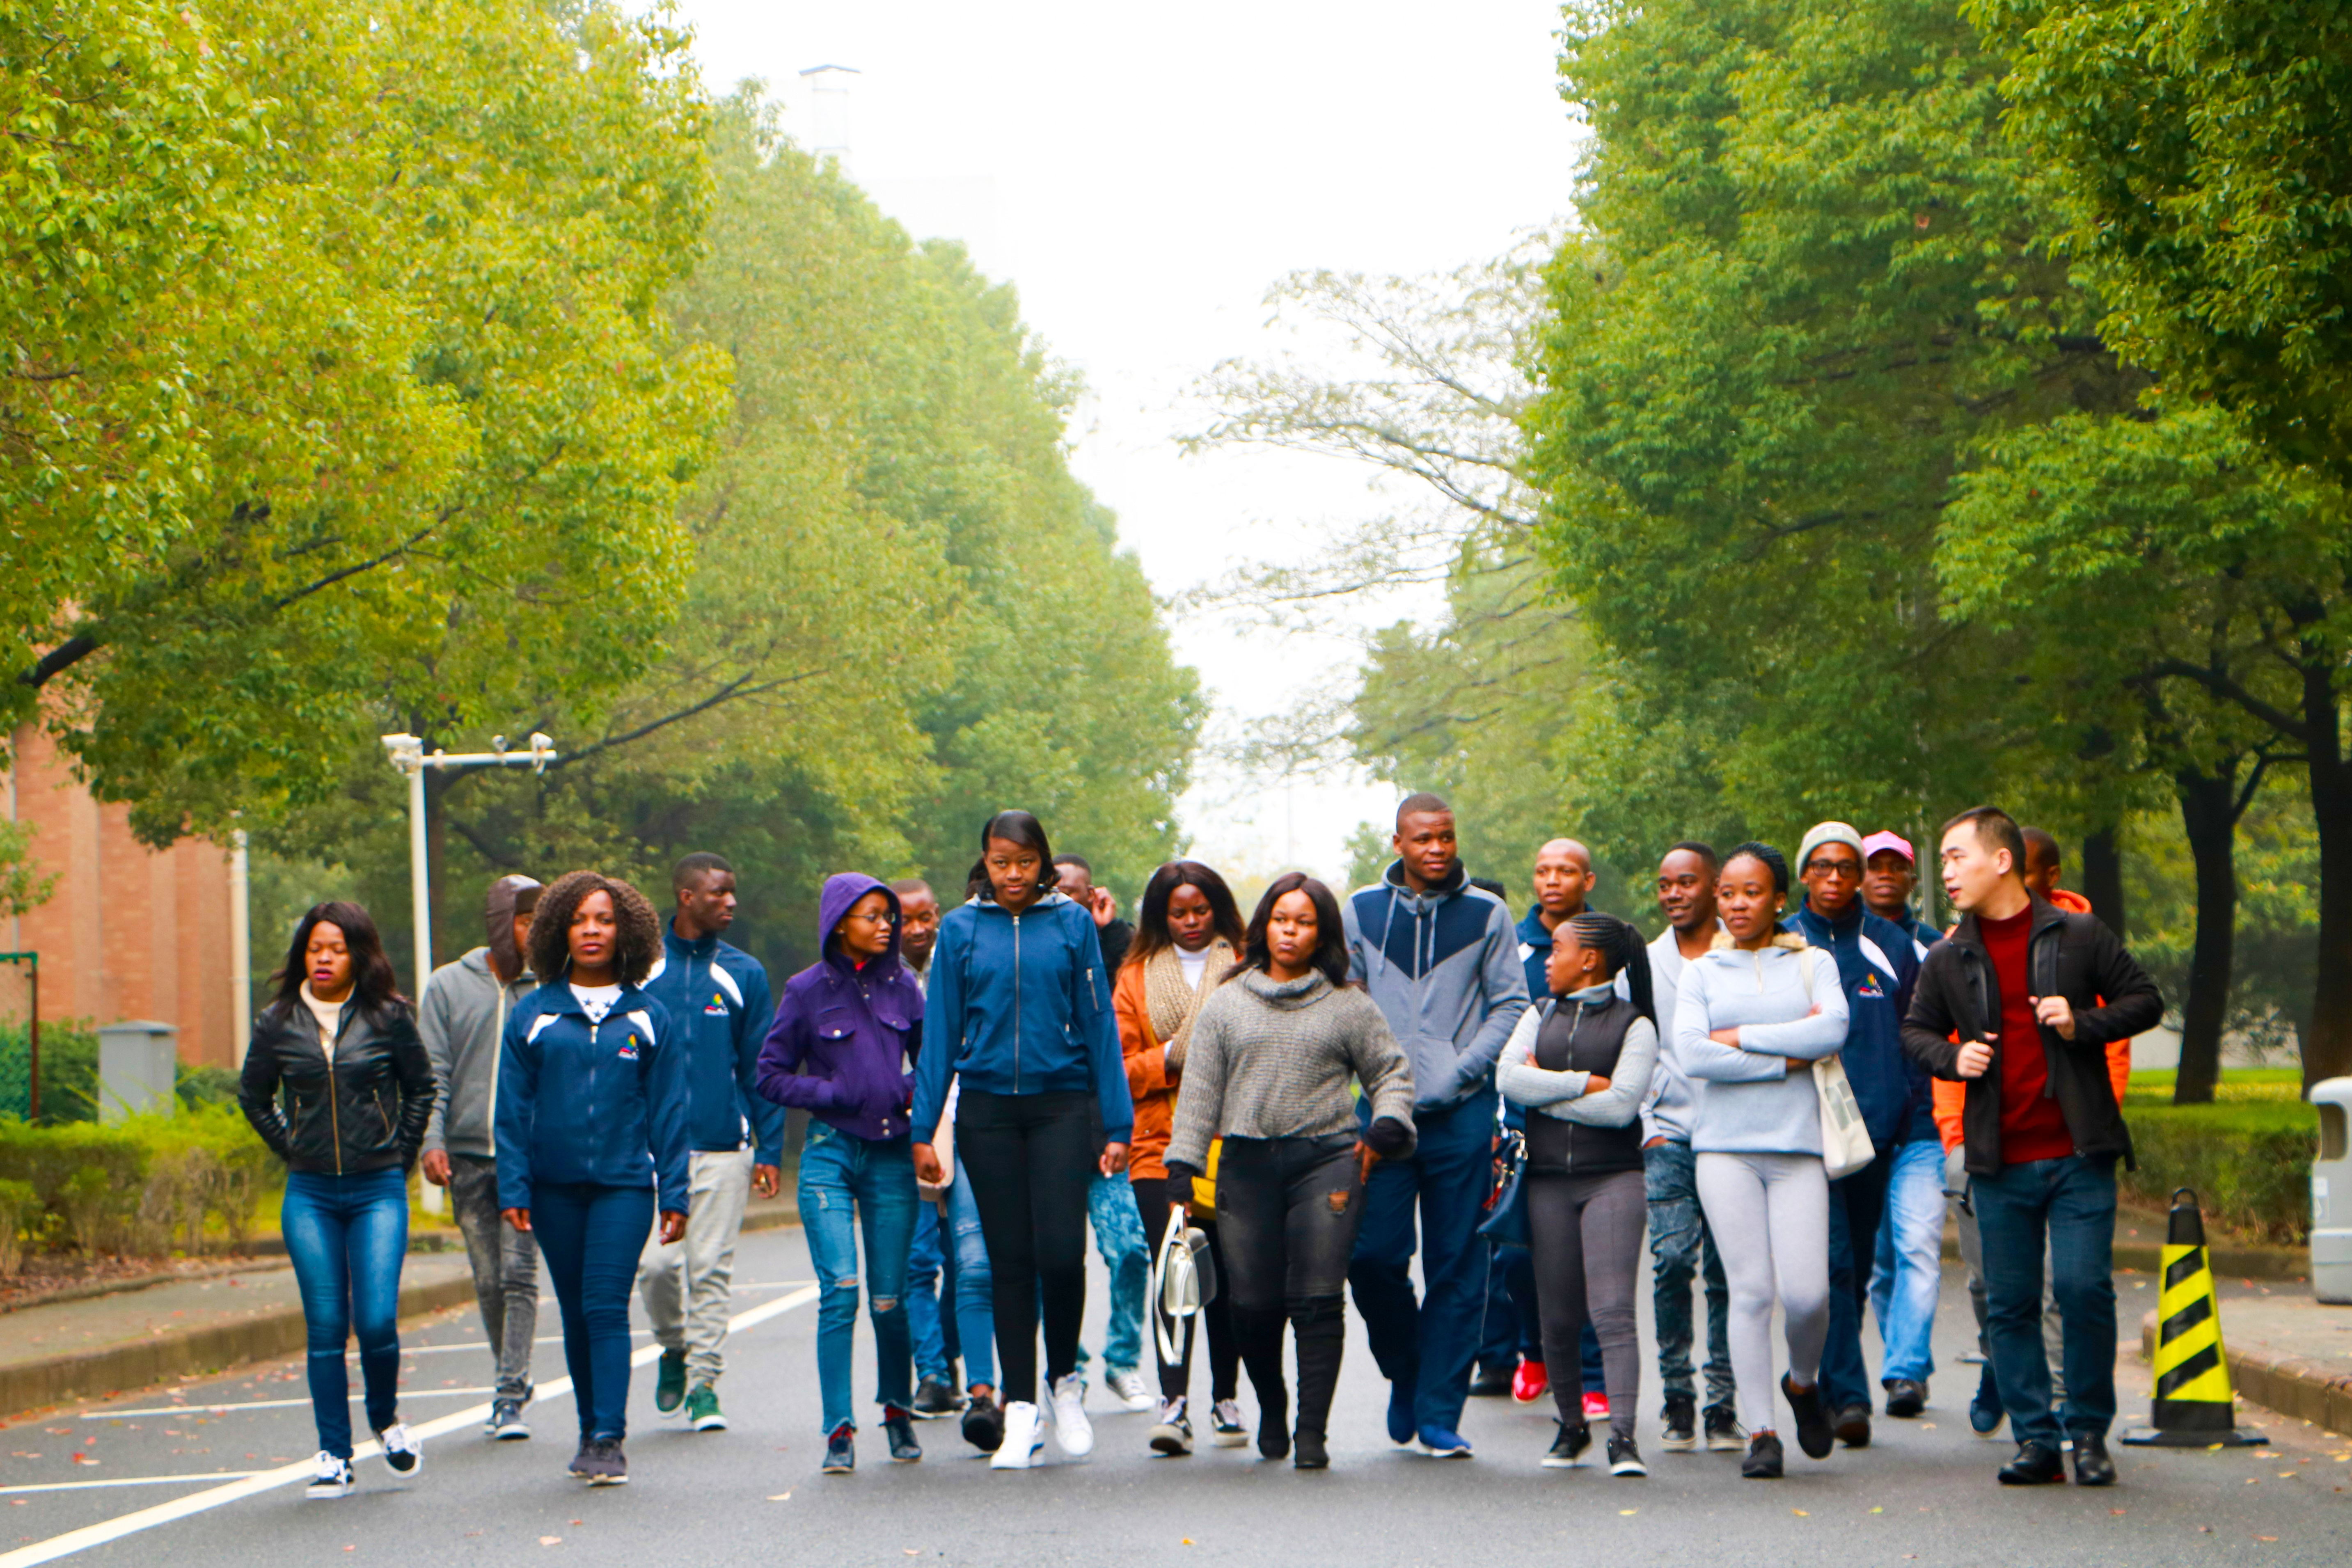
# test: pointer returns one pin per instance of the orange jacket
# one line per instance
(1952, 1097)
(1148, 1083)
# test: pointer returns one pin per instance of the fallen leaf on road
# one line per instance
(18, 1502)
(2117, 1511)
(2265, 1538)
(781, 1497)
(1801, 1513)
(1878, 1510)
(910, 1551)
(551, 1541)
(575, 1521)
(1927, 1426)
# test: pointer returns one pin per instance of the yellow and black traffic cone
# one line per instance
(2194, 1407)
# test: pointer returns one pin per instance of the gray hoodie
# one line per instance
(462, 1019)
(1444, 967)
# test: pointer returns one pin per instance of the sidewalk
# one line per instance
(107, 1344)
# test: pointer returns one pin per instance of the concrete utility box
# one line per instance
(137, 1064)
(2331, 1194)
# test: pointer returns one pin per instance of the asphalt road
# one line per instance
(1922, 1492)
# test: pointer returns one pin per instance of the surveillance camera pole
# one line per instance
(409, 754)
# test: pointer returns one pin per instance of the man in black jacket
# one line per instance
(2020, 1004)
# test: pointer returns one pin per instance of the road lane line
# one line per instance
(261, 1481)
(266, 1405)
(130, 1481)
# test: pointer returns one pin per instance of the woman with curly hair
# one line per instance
(1187, 936)
(339, 1045)
(590, 1129)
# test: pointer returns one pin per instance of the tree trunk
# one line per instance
(2102, 878)
(2209, 813)
(2327, 1053)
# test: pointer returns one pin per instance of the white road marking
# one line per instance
(261, 1481)
(266, 1405)
(131, 1481)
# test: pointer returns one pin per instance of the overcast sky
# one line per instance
(1141, 174)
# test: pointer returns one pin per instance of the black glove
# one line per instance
(1389, 1137)
(1182, 1175)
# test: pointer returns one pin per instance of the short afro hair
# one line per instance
(640, 936)
(691, 869)
(1421, 803)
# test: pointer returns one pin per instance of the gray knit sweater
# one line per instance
(1272, 1060)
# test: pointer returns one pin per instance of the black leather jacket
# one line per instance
(365, 1113)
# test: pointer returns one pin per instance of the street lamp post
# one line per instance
(409, 754)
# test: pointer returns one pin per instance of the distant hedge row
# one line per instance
(145, 1185)
(2250, 1162)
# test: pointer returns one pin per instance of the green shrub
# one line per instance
(146, 1184)
(68, 1069)
(2249, 1160)
(20, 1206)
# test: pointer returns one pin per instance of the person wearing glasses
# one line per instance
(1876, 961)
(845, 1029)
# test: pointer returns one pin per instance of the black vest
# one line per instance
(1584, 1036)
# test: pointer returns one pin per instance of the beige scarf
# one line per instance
(1170, 1005)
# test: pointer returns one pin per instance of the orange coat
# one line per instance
(1148, 1083)
(1952, 1097)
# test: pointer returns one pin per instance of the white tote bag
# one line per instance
(1846, 1141)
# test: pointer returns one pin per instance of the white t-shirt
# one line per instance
(330, 1015)
(597, 999)
(1194, 966)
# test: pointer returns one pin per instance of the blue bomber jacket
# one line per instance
(602, 1103)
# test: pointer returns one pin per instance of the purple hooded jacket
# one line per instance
(843, 1036)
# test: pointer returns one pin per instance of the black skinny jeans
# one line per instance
(1288, 1209)
(1225, 1350)
(1030, 1159)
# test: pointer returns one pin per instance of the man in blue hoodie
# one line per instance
(1877, 961)
(1441, 961)
(716, 996)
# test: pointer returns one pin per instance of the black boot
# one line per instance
(1320, 1327)
(1260, 1334)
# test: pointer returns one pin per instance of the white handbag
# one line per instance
(1846, 1141)
(1183, 1281)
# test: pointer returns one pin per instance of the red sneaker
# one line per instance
(1530, 1383)
(1596, 1405)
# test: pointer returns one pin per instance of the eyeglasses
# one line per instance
(879, 918)
(1851, 870)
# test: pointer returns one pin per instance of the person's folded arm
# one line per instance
(1820, 1033)
(1621, 1103)
(1523, 1083)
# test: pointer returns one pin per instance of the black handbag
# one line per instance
(1506, 1224)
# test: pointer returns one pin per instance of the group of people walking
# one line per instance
(1285, 1111)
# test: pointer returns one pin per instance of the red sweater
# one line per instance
(2032, 1125)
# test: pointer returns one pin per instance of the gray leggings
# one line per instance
(1770, 1216)
(1586, 1236)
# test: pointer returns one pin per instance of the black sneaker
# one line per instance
(1308, 1452)
(580, 1460)
(1723, 1433)
(1815, 1436)
(1905, 1397)
(1853, 1425)
(1566, 1451)
(936, 1398)
(1682, 1423)
(1492, 1382)
(840, 1450)
(2092, 1468)
(898, 1426)
(603, 1463)
(2036, 1464)
(1625, 1458)
(1763, 1460)
(505, 1420)
(1984, 1406)
(984, 1424)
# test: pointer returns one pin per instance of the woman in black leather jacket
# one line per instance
(337, 1084)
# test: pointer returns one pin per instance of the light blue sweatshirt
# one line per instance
(1755, 1098)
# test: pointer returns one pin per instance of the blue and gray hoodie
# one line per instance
(1444, 967)
(1877, 961)
(600, 1104)
(1020, 1004)
(716, 997)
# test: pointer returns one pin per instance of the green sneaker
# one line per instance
(702, 1409)
(669, 1382)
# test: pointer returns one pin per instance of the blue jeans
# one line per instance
(1118, 1239)
(930, 1296)
(346, 1236)
(1857, 1207)
(2068, 1204)
(848, 1185)
(1426, 1346)
(1910, 1270)
(591, 1237)
(975, 1286)
(1682, 1250)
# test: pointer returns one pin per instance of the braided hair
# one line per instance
(1772, 859)
(1622, 945)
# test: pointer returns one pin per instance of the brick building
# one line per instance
(128, 932)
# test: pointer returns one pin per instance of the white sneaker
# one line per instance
(1072, 1430)
(1132, 1391)
(333, 1480)
(404, 1453)
(1226, 1429)
(1023, 1440)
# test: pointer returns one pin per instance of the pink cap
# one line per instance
(1883, 840)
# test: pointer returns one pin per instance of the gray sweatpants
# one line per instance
(504, 1262)
(1770, 1215)
(688, 1285)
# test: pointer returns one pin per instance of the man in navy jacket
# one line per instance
(717, 1000)
(1878, 961)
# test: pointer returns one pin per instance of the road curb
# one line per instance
(2292, 1386)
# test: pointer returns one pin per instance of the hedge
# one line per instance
(2249, 1160)
(147, 1185)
